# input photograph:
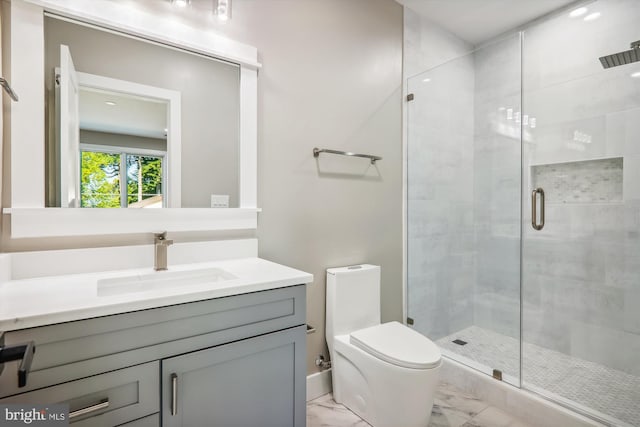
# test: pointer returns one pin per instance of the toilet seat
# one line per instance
(397, 344)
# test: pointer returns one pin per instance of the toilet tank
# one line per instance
(353, 300)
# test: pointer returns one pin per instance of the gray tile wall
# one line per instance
(582, 271)
(441, 252)
(581, 274)
(497, 186)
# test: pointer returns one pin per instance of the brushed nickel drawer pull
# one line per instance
(89, 409)
(174, 394)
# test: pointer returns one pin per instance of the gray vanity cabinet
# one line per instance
(237, 360)
(253, 382)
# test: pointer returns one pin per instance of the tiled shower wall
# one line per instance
(464, 181)
(581, 273)
(496, 184)
(440, 235)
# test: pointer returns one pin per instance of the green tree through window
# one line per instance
(101, 180)
(144, 178)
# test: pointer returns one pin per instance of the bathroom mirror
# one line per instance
(111, 142)
(225, 111)
(134, 124)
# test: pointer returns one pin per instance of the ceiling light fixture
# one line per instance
(427, 80)
(181, 3)
(110, 103)
(578, 12)
(592, 16)
(222, 9)
(636, 75)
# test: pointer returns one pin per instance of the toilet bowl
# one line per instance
(385, 373)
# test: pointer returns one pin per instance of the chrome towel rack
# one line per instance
(5, 84)
(317, 151)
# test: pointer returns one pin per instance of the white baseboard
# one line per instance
(318, 384)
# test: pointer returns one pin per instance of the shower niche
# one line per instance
(585, 181)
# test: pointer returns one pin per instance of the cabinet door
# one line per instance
(257, 382)
(150, 421)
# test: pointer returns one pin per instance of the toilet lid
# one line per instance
(397, 344)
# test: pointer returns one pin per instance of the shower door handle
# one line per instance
(534, 209)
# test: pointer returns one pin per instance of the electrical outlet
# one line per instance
(219, 200)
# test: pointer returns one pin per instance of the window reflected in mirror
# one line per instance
(123, 139)
(102, 175)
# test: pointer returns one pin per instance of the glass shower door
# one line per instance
(463, 207)
(581, 271)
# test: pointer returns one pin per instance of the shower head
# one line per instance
(622, 58)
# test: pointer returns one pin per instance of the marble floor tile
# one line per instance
(325, 412)
(450, 401)
(445, 418)
(494, 417)
(451, 408)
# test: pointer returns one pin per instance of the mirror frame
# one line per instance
(29, 217)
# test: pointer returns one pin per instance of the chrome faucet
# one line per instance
(160, 250)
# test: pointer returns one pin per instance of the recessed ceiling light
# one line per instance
(181, 3)
(636, 75)
(592, 16)
(110, 103)
(427, 80)
(578, 12)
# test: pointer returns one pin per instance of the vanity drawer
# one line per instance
(82, 348)
(108, 399)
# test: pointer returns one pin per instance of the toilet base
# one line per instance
(382, 394)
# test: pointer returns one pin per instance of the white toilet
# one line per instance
(385, 373)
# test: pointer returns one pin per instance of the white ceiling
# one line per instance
(477, 21)
(129, 116)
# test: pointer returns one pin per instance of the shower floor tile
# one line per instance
(608, 391)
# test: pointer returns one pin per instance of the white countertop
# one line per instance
(42, 301)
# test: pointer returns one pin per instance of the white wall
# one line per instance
(331, 78)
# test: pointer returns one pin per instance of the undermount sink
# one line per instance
(161, 280)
